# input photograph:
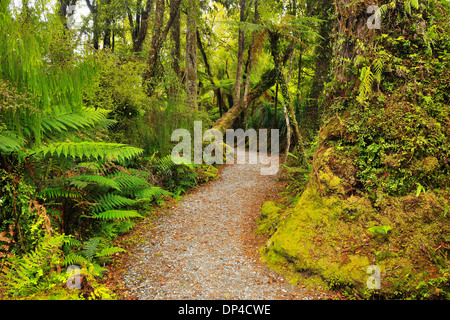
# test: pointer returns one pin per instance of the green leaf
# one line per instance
(117, 215)
(109, 251)
(383, 230)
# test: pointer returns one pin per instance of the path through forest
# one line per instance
(206, 248)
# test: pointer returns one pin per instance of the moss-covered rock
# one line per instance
(269, 218)
(325, 241)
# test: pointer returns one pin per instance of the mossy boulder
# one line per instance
(325, 241)
(269, 218)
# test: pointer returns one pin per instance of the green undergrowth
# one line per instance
(35, 266)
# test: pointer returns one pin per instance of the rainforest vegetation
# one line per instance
(91, 91)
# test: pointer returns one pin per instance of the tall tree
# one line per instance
(175, 36)
(240, 58)
(93, 8)
(251, 55)
(323, 55)
(191, 55)
(139, 25)
(158, 37)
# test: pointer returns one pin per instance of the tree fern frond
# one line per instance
(58, 192)
(97, 150)
(10, 142)
(127, 181)
(110, 201)
(117, 215)
(150, 193)
(78, 120)
(83, 181)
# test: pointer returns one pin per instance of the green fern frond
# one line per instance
(109, 251)
(88, 117)
(150, 193)
(74, 259)
(117, 215)
(59, 192)
(71, 241)
(110, 201)
(164, 165)
(83, 181)
(378, 66)
(10, 142)
(90, 150)
(365, 88)
(90, 247)
(127, 181)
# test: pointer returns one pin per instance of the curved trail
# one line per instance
(205, 247)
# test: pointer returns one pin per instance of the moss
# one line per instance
(426, 165)
(269, 218)
(336, 128)
(324, 242)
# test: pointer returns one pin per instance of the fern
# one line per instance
(87, 117)
(164, 165)
(59, 192)
(75, 259)
(127, 181)
(34, 271)
(90, 247)
(365, 88)
(117, 215)
(83, 181)
(10, 142)
(110, 201)
(378, 66)
(90, 150)
(109, 251)
(150, 193)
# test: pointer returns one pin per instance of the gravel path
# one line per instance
(205, 247)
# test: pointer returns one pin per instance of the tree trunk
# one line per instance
(267, 81)
(175, 35)
(323, 56)
(288, 139)
(93, 8)
(159, 38)
(291, 113)
(250, 61)
(140, 27)
(191, 56)
(241, 44)
(300, 71)
(63, 12)
(351, 26)
(154, 47)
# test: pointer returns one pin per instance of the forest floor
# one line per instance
(205, 246)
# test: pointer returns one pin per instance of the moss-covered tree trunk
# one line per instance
(323, 55)
(191, 56)
(268, 79)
